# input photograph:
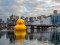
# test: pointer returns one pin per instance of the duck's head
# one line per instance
(20, 21)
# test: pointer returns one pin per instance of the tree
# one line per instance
(22, 17)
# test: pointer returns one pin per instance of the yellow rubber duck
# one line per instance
(20, 30)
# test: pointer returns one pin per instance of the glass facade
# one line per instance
(55, 19)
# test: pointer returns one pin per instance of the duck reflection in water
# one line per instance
(11, 37)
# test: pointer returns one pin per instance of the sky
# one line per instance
(27, 7)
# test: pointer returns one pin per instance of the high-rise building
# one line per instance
(0, 20)
(26, 19)
(1, 24)
(55, 18)
(34, 18)
(55, 12)
(31, 19)
(12, 20)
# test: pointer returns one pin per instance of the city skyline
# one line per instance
(27, 7)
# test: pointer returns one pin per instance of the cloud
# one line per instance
(7, 7)
(57, 1)
(27, 7)
(45, 8)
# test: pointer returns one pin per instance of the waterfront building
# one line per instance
(26, 19)
(2, 24)
(42, 20)
(30, 20)
(55, 17)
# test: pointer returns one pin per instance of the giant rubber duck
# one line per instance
(20, 30)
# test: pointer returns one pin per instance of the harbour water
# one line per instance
(8, 38)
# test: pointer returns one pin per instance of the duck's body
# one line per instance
(20, 27)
